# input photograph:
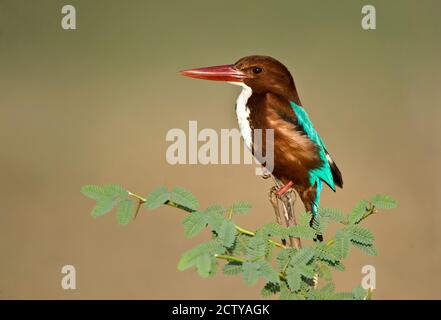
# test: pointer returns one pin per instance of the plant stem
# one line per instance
(141, 201)
(229, 258)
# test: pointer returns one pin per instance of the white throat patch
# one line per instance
(243, 113)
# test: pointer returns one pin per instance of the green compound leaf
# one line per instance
(368, 249)
(157, 198)
(241, 244)
(111, 191)
(107, 197)
(332, 214)
(227, 233)
(184, 198)
(241, 207)
(250, 272)
(325, 273)
(294, 279)
(342, 243)
(302, 257)
(232, 268)
(359, 293)
(304, 219)
(93, 191)
(304, 232)
(359, 234)
(307, 271)
(326, 253)
(358, 212)
(194, 223)
(188, 259)
(268, 272)
(319, 224)
(286, 294)
(283, 258)
(204, 263)
(103, 206)
(124, 213)
(214, 209)
(329, 287)
(343, 296)
(215, 217)
(322, 295)
(384, 202)
(270, 289)
(257, 247)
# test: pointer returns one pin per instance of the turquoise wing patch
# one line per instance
(324, 172)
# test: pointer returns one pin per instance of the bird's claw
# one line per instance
(265, 173)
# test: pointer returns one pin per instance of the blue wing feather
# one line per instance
(322, 173)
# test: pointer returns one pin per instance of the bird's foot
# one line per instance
(284, 189)
(266, 173)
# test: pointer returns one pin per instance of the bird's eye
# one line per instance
(257, 70)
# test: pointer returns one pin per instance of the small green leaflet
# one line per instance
(204, 263)
(194, 223)
(342, 243)
(268, 272)
(325, 252)
(107, 197)
(241, 207)
(189, 258)
(302, 256)
(294, 279)
(232, 268)
(325, 272)
(215, 216)
(358, 212)
(257, 247)
(283, 258)
(109, 192)
(124, 213)
(286, 294)
(102, 207)
(384, 202)
(359, 293)
(250, 272)
(329, 287)
(332, 214)
(368, 249)
(93, 191)
(304, 218)
(359, 234)
(270, 289)
(304, 232)
(184, 198)
(227, 233)
(157, 198)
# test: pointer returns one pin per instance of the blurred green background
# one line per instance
(93, 105)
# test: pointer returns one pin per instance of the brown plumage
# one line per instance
(296, 153)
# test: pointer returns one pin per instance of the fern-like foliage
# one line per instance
(304, 273)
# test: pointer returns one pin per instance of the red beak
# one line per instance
(217, 73)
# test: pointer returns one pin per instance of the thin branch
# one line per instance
(142, 200)
(229, 258)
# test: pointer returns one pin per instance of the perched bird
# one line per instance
(269, 100)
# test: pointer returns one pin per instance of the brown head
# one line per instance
(262, 74)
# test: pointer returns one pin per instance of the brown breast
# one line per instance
(294, 153)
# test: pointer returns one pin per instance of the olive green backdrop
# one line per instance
(93, 105)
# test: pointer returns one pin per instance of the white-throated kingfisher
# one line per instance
(269, 100)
